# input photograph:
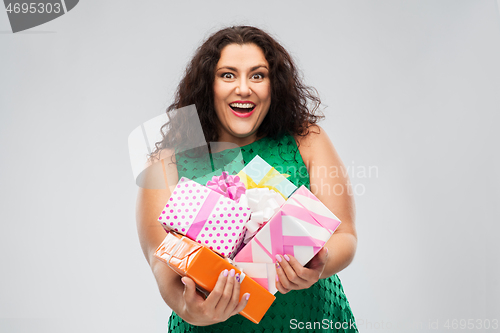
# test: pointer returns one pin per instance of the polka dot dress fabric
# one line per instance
(217, 221)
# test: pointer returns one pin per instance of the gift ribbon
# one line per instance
(203, 215)
(177, 245)
(264, 182)
(227, 185)
(280, 242)
(324, 221)
(264, 203)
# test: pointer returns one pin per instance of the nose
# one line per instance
(243, 88)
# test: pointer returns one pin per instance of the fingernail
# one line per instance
(277, 264)
(247, 296)
(278, 258)
(225, 272)
(287, 258)
(231, 272)
(326, 249)
(277, 278)
(184, 283)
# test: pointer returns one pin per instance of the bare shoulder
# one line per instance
(329, 180)
(315, 143)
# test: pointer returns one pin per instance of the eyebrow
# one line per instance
(235, 70)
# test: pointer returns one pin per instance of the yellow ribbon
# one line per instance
(268, 181)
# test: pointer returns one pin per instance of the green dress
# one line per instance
(324, 306)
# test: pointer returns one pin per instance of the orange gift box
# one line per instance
(189, 258)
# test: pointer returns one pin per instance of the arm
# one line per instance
(330, 183)
(181, 295)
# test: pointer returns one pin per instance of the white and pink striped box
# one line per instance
(300, 228)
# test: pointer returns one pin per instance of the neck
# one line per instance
(239, 141)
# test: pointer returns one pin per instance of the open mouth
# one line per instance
(243, 108)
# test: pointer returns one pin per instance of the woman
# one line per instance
(247, 91)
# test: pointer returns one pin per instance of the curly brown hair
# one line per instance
(294, 106)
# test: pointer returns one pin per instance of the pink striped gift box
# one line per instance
(300, 228)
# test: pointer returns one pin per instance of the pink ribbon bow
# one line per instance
(227, 185)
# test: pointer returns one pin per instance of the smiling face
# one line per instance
(242, 92)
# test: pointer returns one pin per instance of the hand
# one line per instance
(222, 303)
(291, 275)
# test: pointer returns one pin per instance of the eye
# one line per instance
(227, 75)
(258, 76)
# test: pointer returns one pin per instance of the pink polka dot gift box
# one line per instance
(206, 217)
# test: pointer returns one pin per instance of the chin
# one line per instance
(243, 133)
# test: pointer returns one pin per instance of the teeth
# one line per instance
(242, 105)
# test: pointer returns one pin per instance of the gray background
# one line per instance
(410, 88)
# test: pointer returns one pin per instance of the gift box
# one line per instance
(263, 203)
(205, 216)
(189, 258)
(258, 173)
(300, 228)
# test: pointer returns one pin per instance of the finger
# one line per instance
(226, 294)
(283, 278)
(298, 269)
(241, 305)
(235, 298)
(280, 287)
(318, 263)
(218, 290)
(189, 289)
(320, 259)
(289, 271)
